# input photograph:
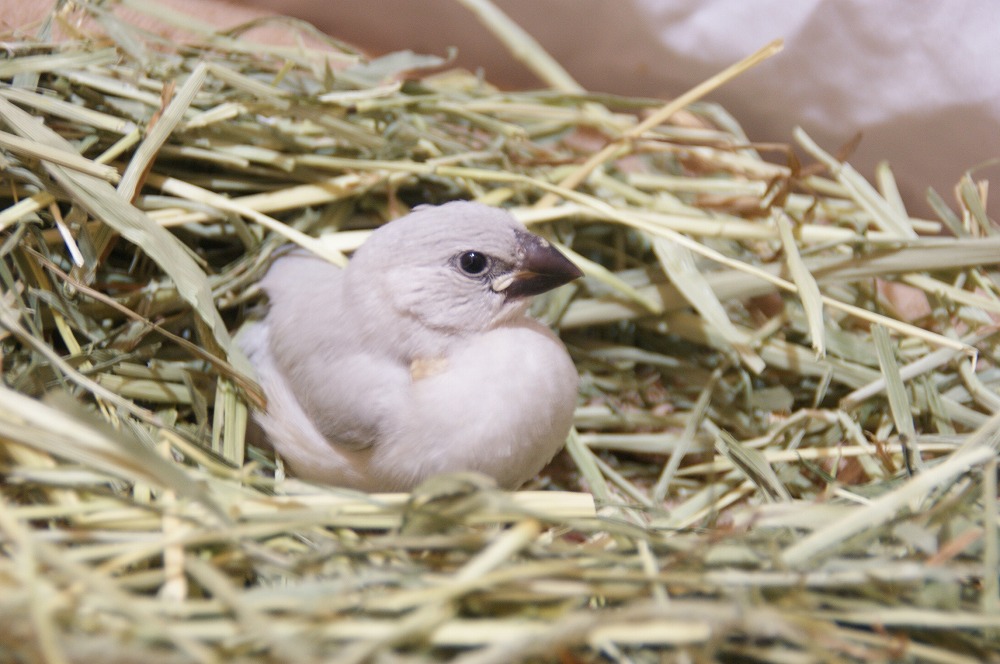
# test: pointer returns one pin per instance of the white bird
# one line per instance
(418, 358)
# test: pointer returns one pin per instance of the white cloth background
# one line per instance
(919, 78)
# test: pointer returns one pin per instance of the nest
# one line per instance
(785, 446)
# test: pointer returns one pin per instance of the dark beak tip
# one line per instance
(542, 269)
(571, 273)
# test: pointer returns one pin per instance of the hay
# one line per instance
(790, 441)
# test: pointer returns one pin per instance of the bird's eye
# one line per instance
(473, 262)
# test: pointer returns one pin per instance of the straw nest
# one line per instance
(785, 442)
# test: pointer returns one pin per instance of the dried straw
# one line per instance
(785, 446)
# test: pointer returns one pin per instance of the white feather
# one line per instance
(400, 366)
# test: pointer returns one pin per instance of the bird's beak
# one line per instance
(540, 269)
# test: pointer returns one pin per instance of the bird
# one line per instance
(419, 357)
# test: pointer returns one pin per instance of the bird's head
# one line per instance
(456, 269)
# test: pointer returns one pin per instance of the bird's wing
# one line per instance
(351, 398)
(344, 390)
(287, 427)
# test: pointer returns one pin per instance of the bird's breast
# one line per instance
(500, 403)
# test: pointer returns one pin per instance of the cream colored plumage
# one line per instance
(418, 358)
